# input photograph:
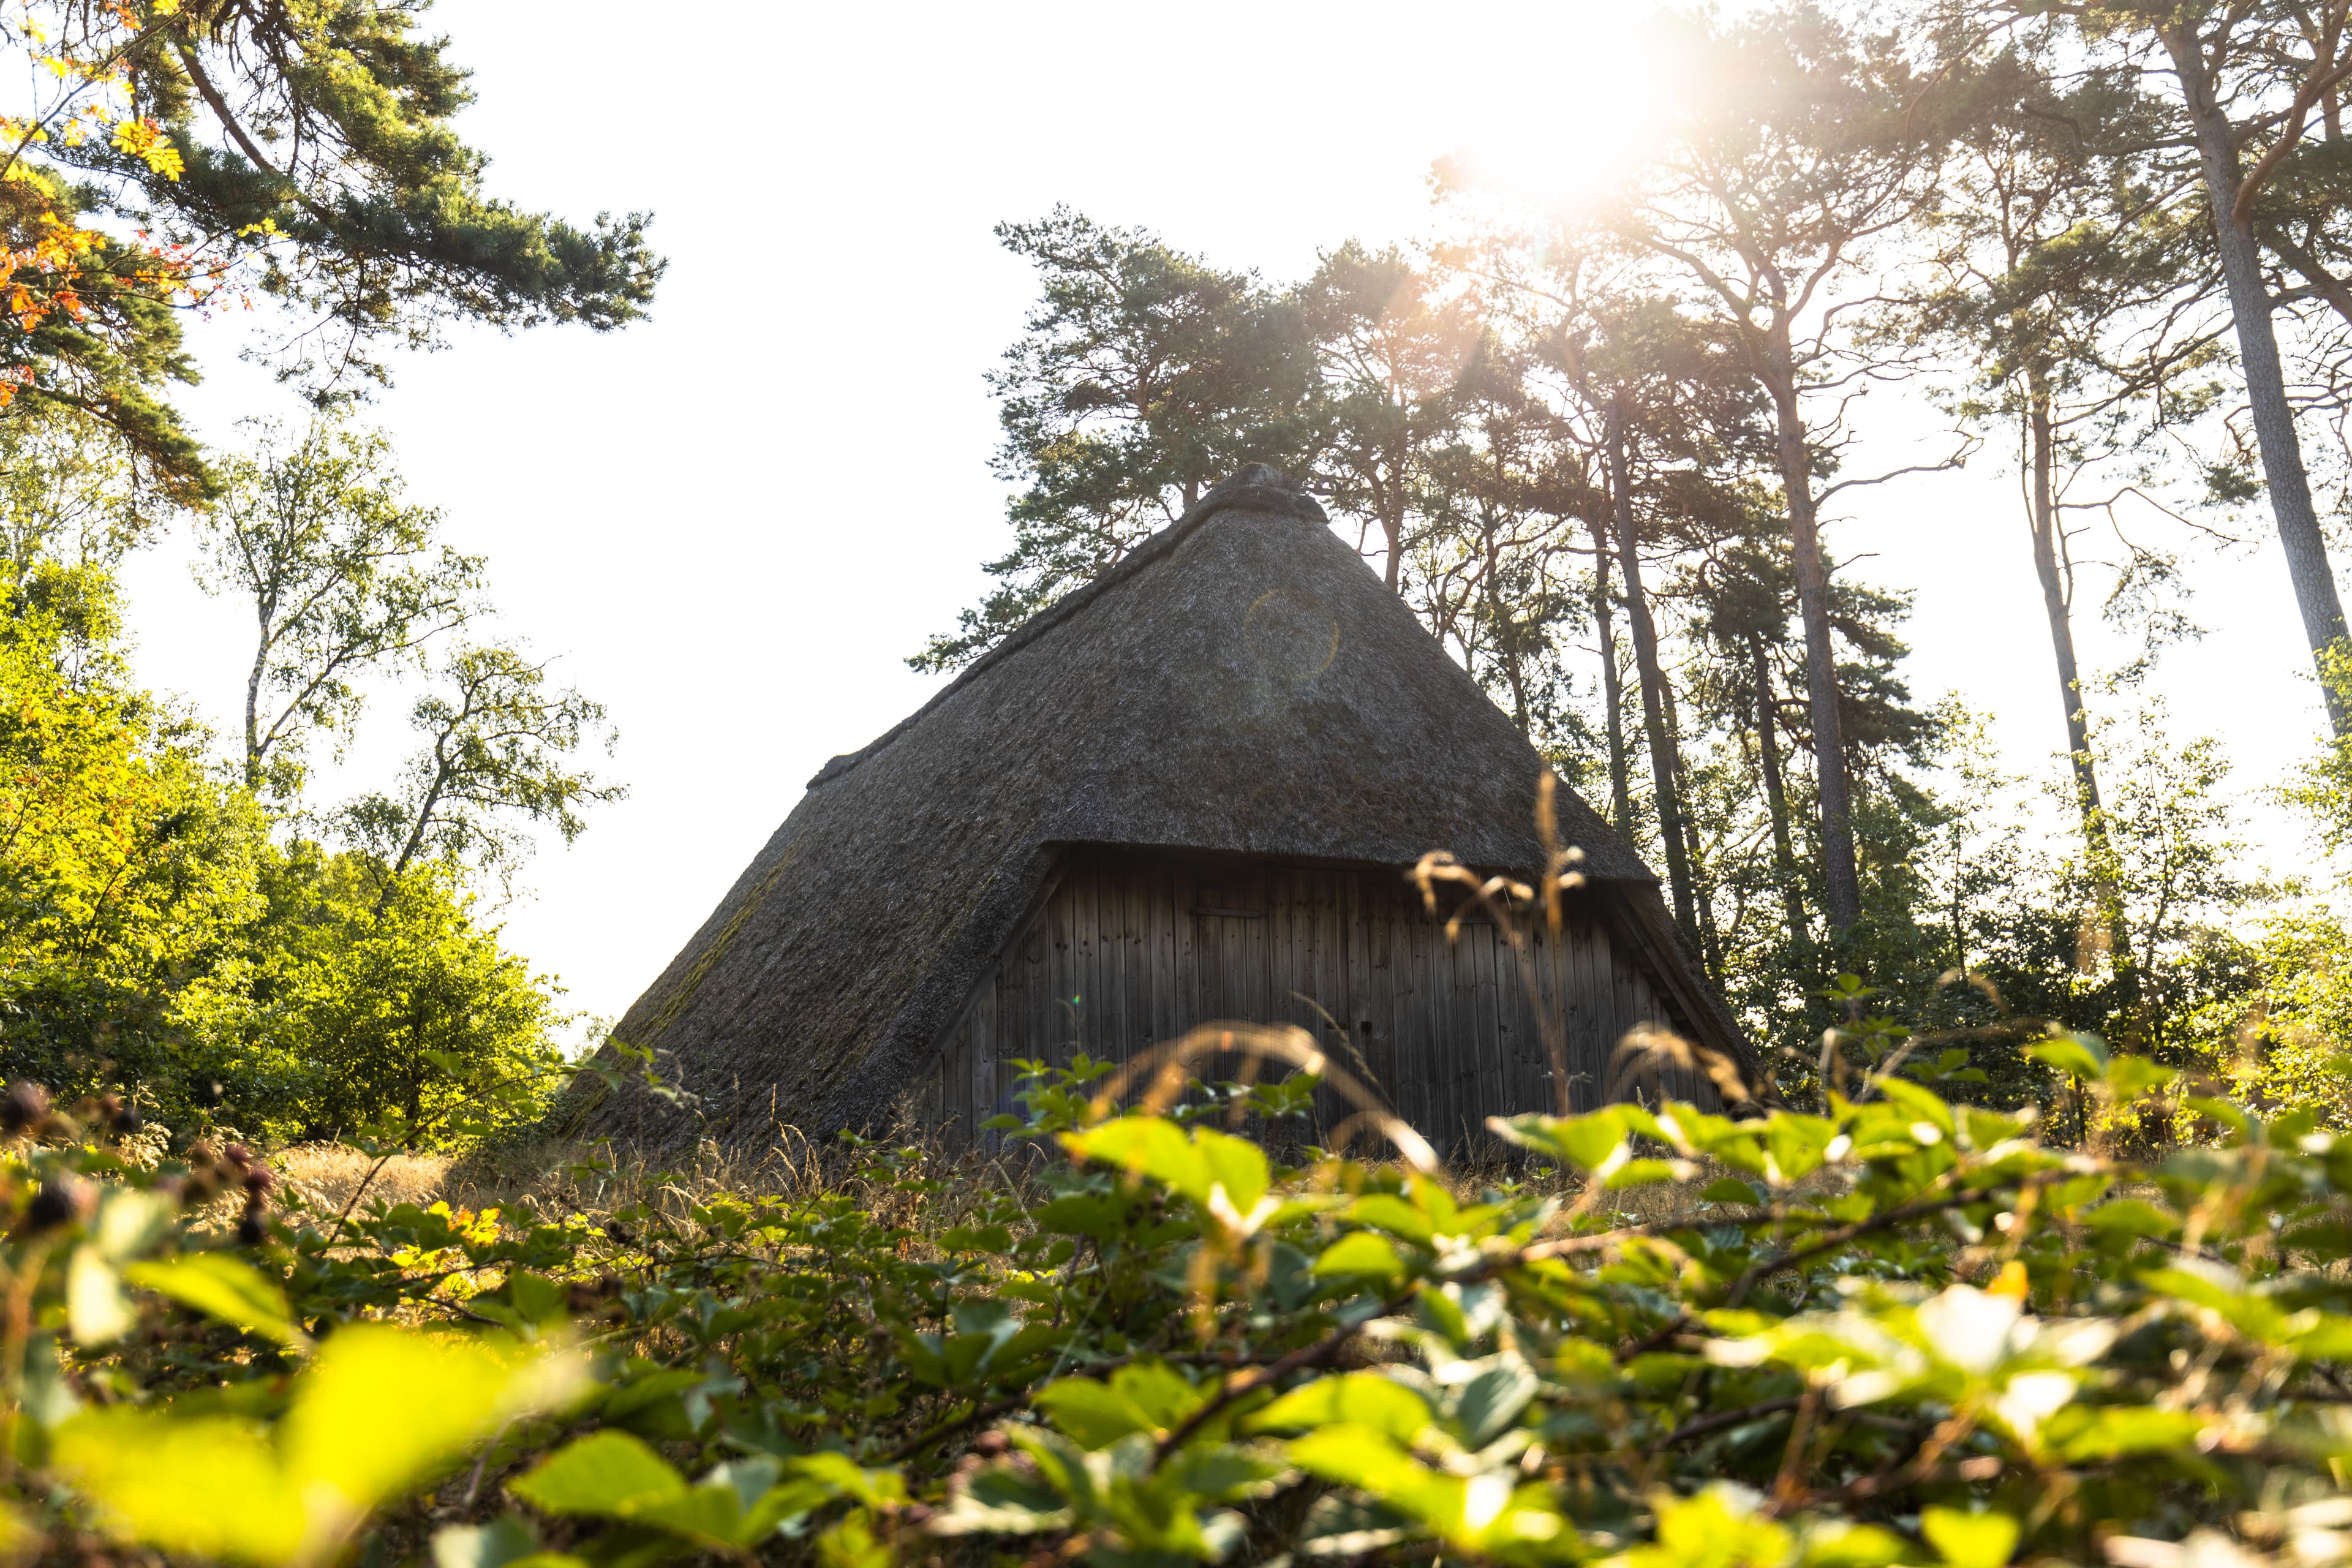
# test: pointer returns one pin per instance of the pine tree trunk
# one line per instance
(1840, 884)
(1654, 684)
(2041, 444)
(1710, 941)
(1776, 794)
(2274, 418)
(1506, 635)
(1612, 691)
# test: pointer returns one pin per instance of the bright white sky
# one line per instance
(732, 522)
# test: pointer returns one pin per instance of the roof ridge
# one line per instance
(1257, 487)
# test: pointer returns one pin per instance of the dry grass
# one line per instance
(326, 1174)
(595, 1180)
(565, 1177)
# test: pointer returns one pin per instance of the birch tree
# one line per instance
(342, 575)
(500, 738)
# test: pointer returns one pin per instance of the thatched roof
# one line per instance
(1241, 682)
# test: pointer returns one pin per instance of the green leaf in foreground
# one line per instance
(221, 1287)
(379, 1412)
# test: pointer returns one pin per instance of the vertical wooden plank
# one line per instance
(1355, 957)
(1106, 994)
(1098, 974)
(1329, 949)
(993, 1045)
(1307, 946)
(1306, 977)
(1462, 1036)
(1193, 958)
(1444, 1038)
(986, 1080)
(1078, 994)
(1331, 987)
(1433, 972)
(1621, 972)
(1410, 1080)
(1575, 1003)
(1609, 1027)
(1516, 1018)
(1274, 939)
(1392, 968)
(1257, 961)
(1377, 999)
(1114, 945)
(1433, 1019)
(929, 1109)
(1533, 1018)
(1498, 1041)
(1078, 982)
(1134, 956)
(1022, 1036)
(1161, 915)
(1475, 1028)
(1141, 969)
(1031, 1023)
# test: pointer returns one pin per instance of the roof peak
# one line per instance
(1253, 487)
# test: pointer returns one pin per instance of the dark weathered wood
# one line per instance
(1132, 947)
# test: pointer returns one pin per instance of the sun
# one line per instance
(1573, 107)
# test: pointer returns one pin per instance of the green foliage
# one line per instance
(374, 1006)
(2277, 1036)
(498, 736)
(1906, 1331)
(127, 872)
(172, 152)
(1145, 377)
(159, 943)
(342, 575)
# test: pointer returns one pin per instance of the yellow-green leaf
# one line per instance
(1360, 1398)
(221, 1287)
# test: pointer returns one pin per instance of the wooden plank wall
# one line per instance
(1133, 947)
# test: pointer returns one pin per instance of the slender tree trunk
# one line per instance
(415, 839)
(2274, 418)
(416, 1067)
(1612, 690)
(1653, 683)
(1390, 502)
(2041, 444)
(1506, 635)
(265, 612)
(1840, 884)
(1776, 793)
(1710, 943)
(253, 709)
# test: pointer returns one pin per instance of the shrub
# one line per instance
(1905, 1331)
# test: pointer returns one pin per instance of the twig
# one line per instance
(1251, 1382)
(1701, 1425)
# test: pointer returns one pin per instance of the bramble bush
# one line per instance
(1901, 1330)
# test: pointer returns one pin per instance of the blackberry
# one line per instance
(24, 1106)
(59, 1202)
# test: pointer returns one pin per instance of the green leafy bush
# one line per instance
(1905, 1331)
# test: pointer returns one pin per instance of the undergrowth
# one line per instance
(1904, 1331)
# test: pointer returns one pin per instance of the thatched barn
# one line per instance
(1188, 792)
